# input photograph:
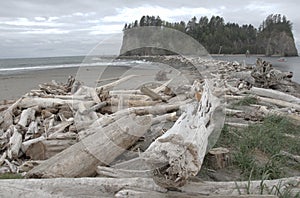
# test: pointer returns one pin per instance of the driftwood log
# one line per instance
(101, 148)
(179, 153)
(143, 187)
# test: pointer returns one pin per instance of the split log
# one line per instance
(108, 187)
(270, 93)
(101, 148)
(178, 154)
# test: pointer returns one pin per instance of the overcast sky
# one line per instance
(37, 28)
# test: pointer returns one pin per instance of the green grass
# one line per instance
(268, 138)
(246, 101)
(11, 176)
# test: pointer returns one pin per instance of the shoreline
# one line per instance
(14, 86)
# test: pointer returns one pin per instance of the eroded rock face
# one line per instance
(280, 44)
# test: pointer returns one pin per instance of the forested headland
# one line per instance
(273, 37)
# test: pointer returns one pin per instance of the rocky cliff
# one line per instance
(279, 43)
(159, 41)
(141, 41)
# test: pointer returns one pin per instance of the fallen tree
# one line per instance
(143, 187)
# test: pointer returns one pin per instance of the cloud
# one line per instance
(46, 31)
(130, 14)
(106, 29)
(39, 21)
(262, 7)
(30, 27)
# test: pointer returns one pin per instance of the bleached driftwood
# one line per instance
(2, 158)
(108, 187)
(238, 125)
(15, 143)
(121, 92)
(150, 93)
(100, 148)
(122, 173)
(95, 107)
(115, 83)
(269, 100)
(45, 149)
(293, 117)
(27, 116)
(28, 102)
(131, 103)
(27, 143)
(155, 110)
(270, 93)
(178, 154)
(7, 117)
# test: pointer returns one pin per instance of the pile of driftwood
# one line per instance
(149, 140)
(68, 130)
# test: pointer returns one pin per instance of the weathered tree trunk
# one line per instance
(108, 187)
(270, 93)
(101, 148)
(178, 154)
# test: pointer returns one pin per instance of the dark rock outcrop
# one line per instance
(279, 43)
(141, 41)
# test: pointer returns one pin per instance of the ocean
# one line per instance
(21, 65)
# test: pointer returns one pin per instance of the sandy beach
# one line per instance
(15, 85)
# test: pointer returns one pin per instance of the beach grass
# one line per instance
(256, 149)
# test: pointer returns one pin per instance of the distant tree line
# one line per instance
(220, 37)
